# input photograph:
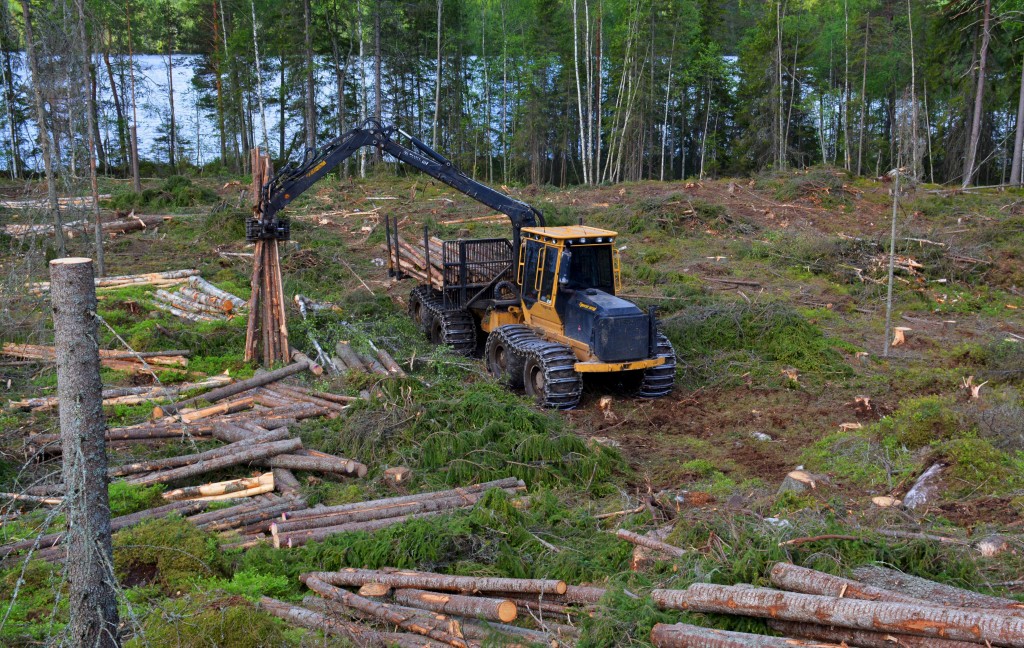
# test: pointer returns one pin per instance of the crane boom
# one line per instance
(294, 179)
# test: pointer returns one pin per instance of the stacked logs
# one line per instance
(130, 395)
(199, 301)
(159, 279)
(881, 608)
(422, 260)
(438, 609)
(347, 358)
(130, 361)
(129, 223)
(296, 528)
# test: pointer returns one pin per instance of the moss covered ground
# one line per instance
(772, 291)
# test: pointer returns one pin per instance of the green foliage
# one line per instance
(170, 552)
(253, 584)
(921, 421)
(36, 614)
(976, 465)
(175, 192)
(861, 459)
(126, 498)
(200, 622)
(728, 339)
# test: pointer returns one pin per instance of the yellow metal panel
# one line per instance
(495, 318)
(608, 367)
(569, 232)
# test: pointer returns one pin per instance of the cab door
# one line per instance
(540, 270)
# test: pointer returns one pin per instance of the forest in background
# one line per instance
(540, 91)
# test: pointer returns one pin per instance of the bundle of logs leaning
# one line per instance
(880, 608)
(199, 301)
(459, 611)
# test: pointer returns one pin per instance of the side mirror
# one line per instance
(563, 268)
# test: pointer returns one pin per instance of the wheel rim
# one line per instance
(436, 334)
(500, 359)
(417, 312)
(536, 381)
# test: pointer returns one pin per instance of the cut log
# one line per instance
(341, 399)
(215, 304)
(47, 353)
(797, 481)
(299, 537)
(389, 363)
(241, 514)
(287, 390)
(238, 487)
(219, 409)
(245, 455)
(31, 499)
(233, 389)
(119, 281)
(205, 286)
(299, 356)
(809, 581)
(336, 465)
(440, 582)
(286, 483)
(899, 618)
(650, 543)
(862, 638)
(257, 521)
(333, 609)
(492, 609)
(349, 356)
(927, 590)
(683, 635)
(357, 634)
(386, 613)
(467, 491)
(181, 302)
(184, 460)
(397, 476)
(373, 366)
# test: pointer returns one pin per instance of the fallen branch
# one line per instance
(649, 543)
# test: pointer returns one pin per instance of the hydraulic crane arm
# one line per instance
(293, 179)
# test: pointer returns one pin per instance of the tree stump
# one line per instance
(92, 600)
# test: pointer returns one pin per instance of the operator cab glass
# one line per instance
(589, 266)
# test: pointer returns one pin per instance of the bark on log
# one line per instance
(808, 581)
(92, 600)
(31, 499)
(683, 635)
(126, 280)
(287, 390)
(372, 512)
(189, 305)
(203, 519)
(286, 483)
(219, 489)
(235, 388)
(649, 543)
(216, 304)
(898, 618)
(48, 354)
(863, 638)
(467, 491)
(383, 612)
(253, 521)
(219, 409)
(341, 399)
(937, 593)
(337, 465)
(492, 609)
(245, 455)
(349, 356)
(440, 582)
(389, 363)
(303, 536)
(373, 366)
(357, 634)
(299, 356)
(185, 460)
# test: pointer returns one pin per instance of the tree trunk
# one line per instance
(863, 638)
(187, 460)
(579, 93)
(476, 607)
(41, 127)
(122, 136)
(337, 465)
(259, 76)
(440, 582)
(88, 86)
(437, 76)
(683, 635)
(173, 132)
(136, 179)
(901, 618)
(378, 99)
(794, 578)
(9, 39)
(92, 599)
(357, 633)
(863, 95)
(936, 593)
(310, 77)
(1017, 165)
(979, 98)
(915, 155)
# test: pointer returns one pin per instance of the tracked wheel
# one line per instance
(661, 380)
(550, 376)
(419, 312)
(504, 352)
(455, 328)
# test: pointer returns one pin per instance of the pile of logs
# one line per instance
(199, 301)
(296, 528)
(129, 223)
(348, 359)
(131, 361)
(881, 608)
(159, 279)
(131, 395)
(430, 609)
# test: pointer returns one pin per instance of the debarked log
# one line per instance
(441, 582)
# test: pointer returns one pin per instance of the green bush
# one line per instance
(176, 191)
(126, 499)
(921, 421)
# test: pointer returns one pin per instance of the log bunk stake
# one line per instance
(267, 328)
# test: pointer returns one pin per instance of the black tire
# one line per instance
(419, 311)
(503, 353)
(455, 328)
(550, 376)
(661, 380)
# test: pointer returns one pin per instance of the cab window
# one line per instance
(548, 275)
(530, 260)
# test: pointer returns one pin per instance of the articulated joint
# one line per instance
(276, 229)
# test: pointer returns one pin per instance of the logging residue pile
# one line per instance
(399, 608)
(199, 301)
(881, 608)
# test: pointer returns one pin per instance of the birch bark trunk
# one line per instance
(979, 98)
